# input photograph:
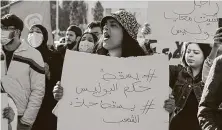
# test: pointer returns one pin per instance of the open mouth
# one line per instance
(190, 61)
(106, 36)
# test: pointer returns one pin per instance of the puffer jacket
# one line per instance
(24, 81)
(210, 107)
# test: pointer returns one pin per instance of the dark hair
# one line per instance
(130, 47)
(12, 20)
(94, 24)
(203, 46)
(75, 29)
(94, 38)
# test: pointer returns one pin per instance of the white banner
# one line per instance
(193, 20)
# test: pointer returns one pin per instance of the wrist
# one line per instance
(216, 46)
(24, 122)
(209, 61)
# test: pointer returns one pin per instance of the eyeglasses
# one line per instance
(8, 28)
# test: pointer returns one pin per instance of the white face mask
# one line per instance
(35, 39)
(5, 37)
(86, 46)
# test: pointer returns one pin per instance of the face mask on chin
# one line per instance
(86, 46)
(35, 39)
(5, 37)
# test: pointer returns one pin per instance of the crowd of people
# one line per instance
(31, 72)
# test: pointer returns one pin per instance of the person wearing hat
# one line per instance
(120, 31)
(119, 39)
(24, 78)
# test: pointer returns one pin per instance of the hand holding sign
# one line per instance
(118, 93)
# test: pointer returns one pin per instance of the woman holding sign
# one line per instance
(119, 40)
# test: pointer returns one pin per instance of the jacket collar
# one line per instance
(187, 71)
(23, 46)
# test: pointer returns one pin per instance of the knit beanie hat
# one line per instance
(12, 20)
(127, 20)
(75, 29)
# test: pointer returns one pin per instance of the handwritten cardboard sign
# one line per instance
(108, 93)
(194, 21)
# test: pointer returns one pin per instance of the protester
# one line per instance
(24, 80)
(210, 108)
(37, 38)
(119, 40)
(73, 35)
(87, 42)
(94, 27)
(186, 84)
(146, 43)
(212, 56)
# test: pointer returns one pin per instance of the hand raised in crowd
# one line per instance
(217, 43)
(9, 114)
(58, 91)
(169, 104)
(218, 37)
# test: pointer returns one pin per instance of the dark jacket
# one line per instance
(182, 82)
(210, 110)
(187, 91)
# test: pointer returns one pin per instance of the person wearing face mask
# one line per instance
(87, 43)
(37, 38)
(24, 77)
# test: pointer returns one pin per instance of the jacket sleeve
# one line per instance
(173, 73)
(206, 69)
(37, 82)
(211, 98)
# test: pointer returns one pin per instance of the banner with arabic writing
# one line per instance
(194, 21)
(108, 93)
